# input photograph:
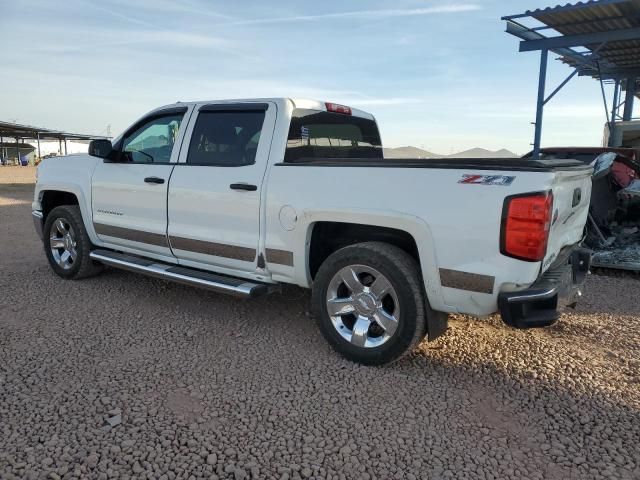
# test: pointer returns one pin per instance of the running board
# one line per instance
(188, 276)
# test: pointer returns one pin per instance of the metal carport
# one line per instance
(598, 38)
(20, 133)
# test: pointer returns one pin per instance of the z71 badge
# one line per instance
(503, 180)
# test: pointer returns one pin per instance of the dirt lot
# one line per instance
(210, 386)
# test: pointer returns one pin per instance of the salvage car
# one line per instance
(613, 227)
(241, 196)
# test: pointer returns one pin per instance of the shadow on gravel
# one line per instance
(17, 191)
(256, 379)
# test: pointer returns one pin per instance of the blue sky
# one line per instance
(439, 75)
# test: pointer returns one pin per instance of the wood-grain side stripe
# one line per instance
(131, 234)
(281, 257)
(211, 248)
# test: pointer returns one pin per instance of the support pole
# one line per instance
(615, 132)
(628, 99)
(18, 149)
(38, 139)
(616, 102)
(2, 154)
(544, 55)
(65, 146)
(60, 146)
(614, 138)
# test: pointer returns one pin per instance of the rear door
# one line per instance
(214, 193)
(129, 194)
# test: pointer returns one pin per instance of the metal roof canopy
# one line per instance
(28, 132)
(598, 38)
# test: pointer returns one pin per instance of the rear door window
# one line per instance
(226, 138)
(318, 134)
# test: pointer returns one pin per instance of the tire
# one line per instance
(71, 259)
(404, 301)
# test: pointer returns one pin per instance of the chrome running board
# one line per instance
(175, 273)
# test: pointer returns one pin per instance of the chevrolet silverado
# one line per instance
(240, 196)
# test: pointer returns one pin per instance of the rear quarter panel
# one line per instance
(568, 219)
(456, 226)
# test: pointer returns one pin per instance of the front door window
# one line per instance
(153, 141)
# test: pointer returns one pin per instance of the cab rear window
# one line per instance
(318, 134)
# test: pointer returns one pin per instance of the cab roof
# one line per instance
(280, 101)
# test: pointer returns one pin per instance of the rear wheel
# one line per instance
(67, 244)
(369, 304)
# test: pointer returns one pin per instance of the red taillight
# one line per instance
(526, 222)
(336, 108)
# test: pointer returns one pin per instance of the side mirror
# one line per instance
(101, 148)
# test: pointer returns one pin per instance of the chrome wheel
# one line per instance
(363, 306)
(62, 241)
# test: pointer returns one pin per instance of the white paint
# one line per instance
(455, 226)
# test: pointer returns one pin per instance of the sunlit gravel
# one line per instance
(121, 376)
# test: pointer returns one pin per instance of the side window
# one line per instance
(226, 139)
(153, 141)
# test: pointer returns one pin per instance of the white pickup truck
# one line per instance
(240, 196)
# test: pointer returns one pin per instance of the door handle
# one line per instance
(243, 186)
(157, 180)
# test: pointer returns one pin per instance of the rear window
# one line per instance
(316, 134)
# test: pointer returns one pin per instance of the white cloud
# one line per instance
(364, 14)
(152, 37)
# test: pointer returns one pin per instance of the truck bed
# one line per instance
(502, 164)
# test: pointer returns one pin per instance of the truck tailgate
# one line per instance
(571, 194)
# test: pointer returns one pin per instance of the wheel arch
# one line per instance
(409, 233)
(55, 194)
(50, 199)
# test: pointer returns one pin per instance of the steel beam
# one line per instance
(542, 80)
(567, 41)
(612, 73)
(520, 31)
(559, 87)
(627, 114)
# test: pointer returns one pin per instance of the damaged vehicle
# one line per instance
(243, 196)
(613, 227)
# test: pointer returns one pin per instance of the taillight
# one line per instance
(526, 221)
(336, 108)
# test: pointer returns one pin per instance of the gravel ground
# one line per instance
(207, 386)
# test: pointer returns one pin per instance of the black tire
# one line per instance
(402, 272)
(82, 266)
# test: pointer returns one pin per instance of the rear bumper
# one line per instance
(37, 222)
(541, 304)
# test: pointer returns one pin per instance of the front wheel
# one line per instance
(67, 244)
(369, 304)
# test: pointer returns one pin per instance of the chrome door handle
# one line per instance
(156, 180)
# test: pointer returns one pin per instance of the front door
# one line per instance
(130, 192)
(214, 193)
